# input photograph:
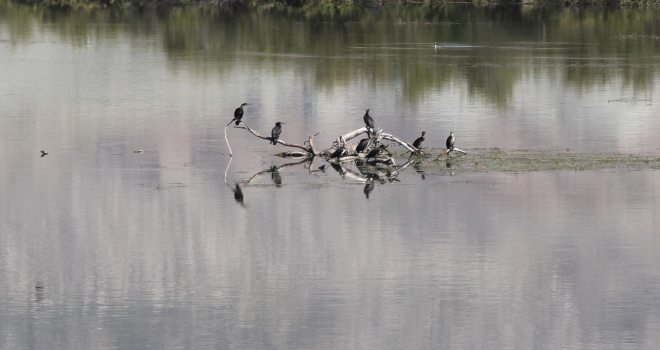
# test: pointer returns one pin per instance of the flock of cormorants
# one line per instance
(362, 145)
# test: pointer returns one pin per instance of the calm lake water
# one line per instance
(101, 247)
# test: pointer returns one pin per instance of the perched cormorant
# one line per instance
(43, 153)
(275, 133)
(376, 151)
(362, 145)
(238, 113)
(340, 152)
(450, 142)
(420, 140)
(369, 121)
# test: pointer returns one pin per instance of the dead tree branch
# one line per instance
(308, 149)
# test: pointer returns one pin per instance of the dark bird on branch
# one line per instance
(450, 142)
(275, 133)
(369, 121)
(238, 113)
(420, 140)
(340, 152)
(376, 151)
(362, 145)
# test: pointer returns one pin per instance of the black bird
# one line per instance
(322, 167)
(340, 152)
(450, 142)
(238, 113)
(238, 194)
(43, 153)
(275, 133)
(362, 145)
(376, 151)
(369, 121)
(420, 140)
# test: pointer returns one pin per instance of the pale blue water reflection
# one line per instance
(101, 247)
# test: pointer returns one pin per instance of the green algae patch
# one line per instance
(524, 161)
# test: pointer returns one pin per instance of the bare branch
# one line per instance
(405, 144)
(311, 143)
(283, 143)
(351, 135)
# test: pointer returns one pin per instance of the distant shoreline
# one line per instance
(235, 4)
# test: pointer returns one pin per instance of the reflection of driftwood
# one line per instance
(274, 169)
(225, 140)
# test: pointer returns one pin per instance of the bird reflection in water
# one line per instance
(368, 187)
(420, 170)
(339, 169)
(275, 175)
(39, 292)
(450, 167)
(238, 194)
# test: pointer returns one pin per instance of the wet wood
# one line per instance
(309, 150)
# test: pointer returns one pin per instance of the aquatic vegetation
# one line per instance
(523, 161)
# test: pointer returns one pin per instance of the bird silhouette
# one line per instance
(450, 142)
(275, 133)
(420, 140)
(238, 113)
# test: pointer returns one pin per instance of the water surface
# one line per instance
(101, 247)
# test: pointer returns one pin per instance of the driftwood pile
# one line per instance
(308, 150)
